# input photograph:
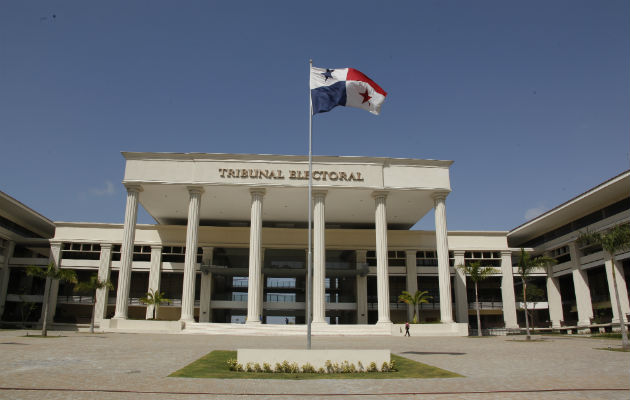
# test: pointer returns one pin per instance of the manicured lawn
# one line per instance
(214, 365)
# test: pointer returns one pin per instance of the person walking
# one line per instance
(407, 329)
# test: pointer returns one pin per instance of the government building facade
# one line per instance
(229, 251)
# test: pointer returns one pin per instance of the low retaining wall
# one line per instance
(317, 358)
(445, 329)
(137, 325)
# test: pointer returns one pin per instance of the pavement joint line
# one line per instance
(551, 390)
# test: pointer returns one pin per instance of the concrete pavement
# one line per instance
(136, 366)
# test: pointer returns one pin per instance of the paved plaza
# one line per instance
(136, 366)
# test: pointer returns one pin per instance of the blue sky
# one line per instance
(530, 99)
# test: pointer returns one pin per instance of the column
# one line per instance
(382, 269)
(104, 270)
(206, 286)
(254, 295)
(461, 295)
(554, 299)
(5, 273)
(444, 272)
(126, 251)
(621, 288)
(155, 271)
(507, 291)
(52, 285)
(362, 300)
(411, 282)
(190, 259)
(319, 257)
(582, 290)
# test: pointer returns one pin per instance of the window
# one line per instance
(487, 258)
(81, 251)
(561, 254)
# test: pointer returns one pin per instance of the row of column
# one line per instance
(583, 292)
(254, 299)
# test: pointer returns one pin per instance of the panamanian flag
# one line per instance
(344, 87)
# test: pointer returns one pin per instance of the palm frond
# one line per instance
(477, 271)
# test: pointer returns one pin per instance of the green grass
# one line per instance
(609, 335)
(214, 365)
(614, 349)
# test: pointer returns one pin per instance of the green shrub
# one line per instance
(308, 368)
(267, 367)
(372, 367)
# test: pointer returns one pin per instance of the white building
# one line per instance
(230, 242)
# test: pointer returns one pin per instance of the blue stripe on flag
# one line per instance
(325, 98)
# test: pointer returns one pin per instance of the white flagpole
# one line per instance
(309, 276)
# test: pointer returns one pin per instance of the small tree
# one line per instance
(535, 294)
(414, 300)
(614, 241)
(92, 286)
(154, 298)
(527, 265)
(50, 273)
(477, 273)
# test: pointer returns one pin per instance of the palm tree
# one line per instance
(154, 298)
(527, 265)
(50, 273)
(614, 241)
(477, 273)
(414, 300)
(92, 286)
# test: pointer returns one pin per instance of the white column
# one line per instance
(582, 290)
(319, 257)
(507, 291)
(461, 296)
(382, 269)
(126, 251)
(554, 299)
(362, 301)
(155, 271)
(102, 294)
(254, 295)
(5, 273)
(206, 287)
(621, 287)
(55, 256)
(190, 260)
(411, 281)
(444, 271)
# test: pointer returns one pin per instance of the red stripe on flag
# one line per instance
(355, 75)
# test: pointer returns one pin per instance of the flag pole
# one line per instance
(309, 276)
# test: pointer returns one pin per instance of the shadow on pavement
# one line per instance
(433, 352)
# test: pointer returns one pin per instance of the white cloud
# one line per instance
(108, 190)
(534, 212)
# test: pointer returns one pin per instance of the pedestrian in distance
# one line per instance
(407, 329)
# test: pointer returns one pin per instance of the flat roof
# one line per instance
(602, 195)
(227, 179)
